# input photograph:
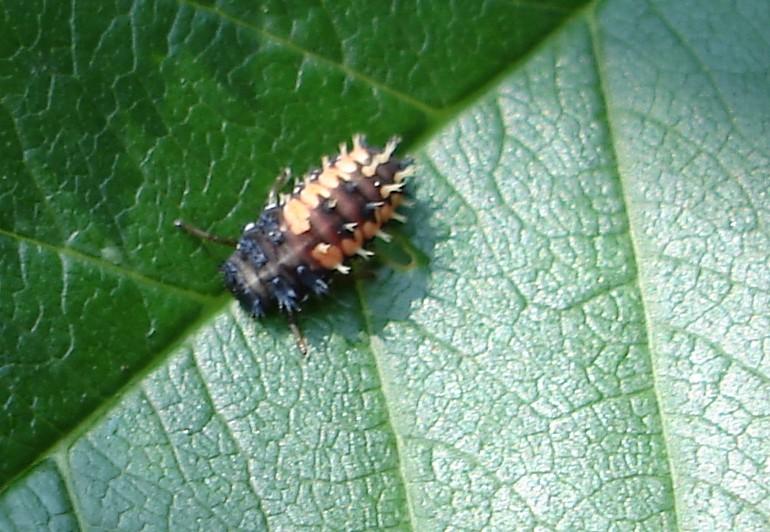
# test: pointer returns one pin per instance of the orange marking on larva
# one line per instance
(360, 155)
(297, 216)
(308, 198)
(310, 194)
(369, 169)
(346, 165)
(329, 178)
(351, 245)
(380, 158)
(344, 176)
(327, 256)
(370, 229)
(396, 199)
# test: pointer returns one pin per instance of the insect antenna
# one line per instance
(204, 235)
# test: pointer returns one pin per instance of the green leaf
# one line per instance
(570, 333)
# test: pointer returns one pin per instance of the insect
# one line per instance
(300, 240)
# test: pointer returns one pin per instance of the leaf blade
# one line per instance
(700, 220)
(599, 367)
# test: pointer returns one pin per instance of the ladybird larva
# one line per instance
(298, 242)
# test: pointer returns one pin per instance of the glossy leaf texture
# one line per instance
(572, 332)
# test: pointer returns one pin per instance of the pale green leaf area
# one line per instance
(572, 332)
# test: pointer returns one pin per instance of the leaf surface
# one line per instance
(570, 333)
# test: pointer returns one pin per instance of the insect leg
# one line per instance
(278, 185)
(204, 235)
(298, 336)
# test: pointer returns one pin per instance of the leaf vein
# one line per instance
(174, 449)
(603, 92)
(309, 54)
(62, 465)
(109, 267)
(722, 353)
(720, 96)
(238, 447)
(399, 441)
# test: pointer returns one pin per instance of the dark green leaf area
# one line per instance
(70, 341)
(190, 121)
(421, 49)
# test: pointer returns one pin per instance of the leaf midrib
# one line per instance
(387, 396)
(641, 274)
